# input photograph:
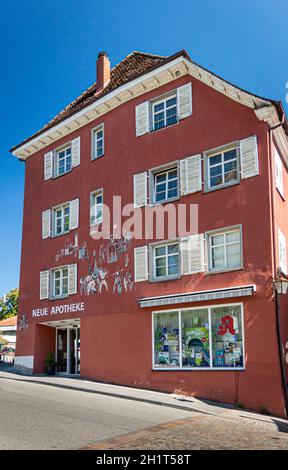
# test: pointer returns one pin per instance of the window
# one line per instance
(199, 338)
(166, 261)
(63, 160)
(278, 172)
(164, 112)
(96, 209)
(225, 250)
(98, 142)
(61, 220)
(60, 282)
(282, 251)
(165, 185)
(222, 168)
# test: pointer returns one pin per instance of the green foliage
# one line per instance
(9, 307)
(50, 360)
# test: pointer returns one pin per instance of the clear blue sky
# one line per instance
(48, 53)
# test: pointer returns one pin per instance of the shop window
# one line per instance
(227, 336)
(166, 340)
(211, 337)
(195, 338)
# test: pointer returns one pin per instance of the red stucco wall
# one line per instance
(115, 332)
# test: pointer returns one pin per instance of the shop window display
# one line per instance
(227, 342)
(195, 338)
(211, 337)
(166, 337)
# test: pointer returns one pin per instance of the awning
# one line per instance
(200, 296)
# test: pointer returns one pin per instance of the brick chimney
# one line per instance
(102, 71)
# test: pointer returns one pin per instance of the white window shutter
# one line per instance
(184, 100)
(184, 256)
(190, 174)
(44, 285)
(48, 165)
(249, 157)
(74, 214)
(278, 173)
(46, 224)
(75, 150)
(72, 278)
(142, 118)
(196, 254)
(282, 251)
(141, 263)
(140, 189)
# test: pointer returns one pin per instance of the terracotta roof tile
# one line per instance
(133, 66)
(11, 321)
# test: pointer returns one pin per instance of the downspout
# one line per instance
(278, 333)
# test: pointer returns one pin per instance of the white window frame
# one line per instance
(224, 231)
(153, 258)
(153, 172)
(61, 270)
(211, 368)
(94, 141)
(221, 151)
(279, 179)
(282, 251)
(164, 100)
(57, 158)
(60, 208)
(94, 206)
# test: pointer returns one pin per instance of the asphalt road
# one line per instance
(34, 416)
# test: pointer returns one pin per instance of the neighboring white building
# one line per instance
(8, 329)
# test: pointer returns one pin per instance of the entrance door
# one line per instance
(68, 350)
(61, 349)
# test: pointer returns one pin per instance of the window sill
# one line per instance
(57, 235)
(63, 297)
(166, 201)
(221, 271)
(164, 127)
(280, 194)
(96, 158)
(223, 186)
(172, 278)
(55, 177)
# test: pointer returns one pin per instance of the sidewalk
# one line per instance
(210, 426)
(147, 396)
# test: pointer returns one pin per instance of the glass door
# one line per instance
(68, 350)
(61, 350)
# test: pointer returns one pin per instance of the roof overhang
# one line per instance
(200, 296)
(179, 66)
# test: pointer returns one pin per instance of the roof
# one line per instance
(11, 321)
(133, 66)
(130, 68)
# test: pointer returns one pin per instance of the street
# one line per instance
(47, 416)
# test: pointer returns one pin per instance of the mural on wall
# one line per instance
(79, 251)
(100, 275)
(23, 323)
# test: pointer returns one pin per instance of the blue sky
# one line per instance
(48, 52)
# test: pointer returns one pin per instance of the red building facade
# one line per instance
(191, 313)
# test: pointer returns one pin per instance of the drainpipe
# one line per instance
(278, 333)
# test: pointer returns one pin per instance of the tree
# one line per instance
(9, 304)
